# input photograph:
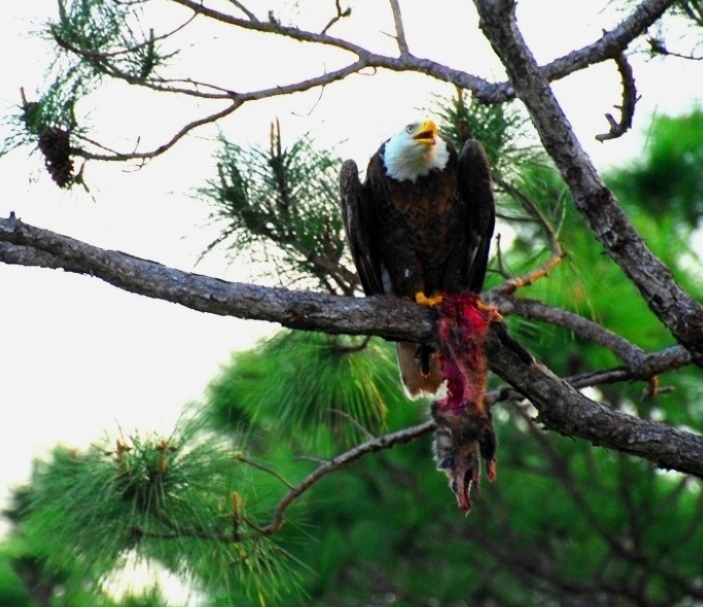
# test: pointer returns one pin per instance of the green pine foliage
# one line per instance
(279, 204)
(321, 382)
(13, 590)
(94, 40)
(163, 497)
(504, 131)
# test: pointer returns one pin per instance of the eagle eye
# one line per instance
(410, 128)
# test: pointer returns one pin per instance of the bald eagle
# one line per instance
(420, 225)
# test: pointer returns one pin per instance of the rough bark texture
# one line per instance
(561, 406)
(563, 409)
(680, 312)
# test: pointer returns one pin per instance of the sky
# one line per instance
(80, 359)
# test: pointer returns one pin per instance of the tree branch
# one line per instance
(561, 406)
(237, 100)
(399, 28)
(611, 45)
(680, 312)
(384, 316)
(563, 409)
(629, 101)
(587, 329)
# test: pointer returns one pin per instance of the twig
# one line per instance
(513, 284)
(251, 16)
(240, 458)
(377, 444)
(236, 102)
(629, 100)
(354, 422)
(659, 48)
(341, 14)
(399, 28)
(102, 56)
(165, 146)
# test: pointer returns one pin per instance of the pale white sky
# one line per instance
(78, 357)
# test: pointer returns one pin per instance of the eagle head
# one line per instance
(415, 151)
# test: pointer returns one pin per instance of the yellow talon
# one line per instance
(422, 300)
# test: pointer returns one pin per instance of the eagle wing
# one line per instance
(359, 225)
(476, 191)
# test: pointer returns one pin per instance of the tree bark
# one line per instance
(680, 312)
(562, 408)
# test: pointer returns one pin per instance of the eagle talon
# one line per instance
(431, 302)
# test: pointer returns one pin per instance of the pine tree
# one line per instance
(268, 492)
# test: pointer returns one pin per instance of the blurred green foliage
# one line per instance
(279, 205)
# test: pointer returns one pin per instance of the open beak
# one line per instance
(427, 133)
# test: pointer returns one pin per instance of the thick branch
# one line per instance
(562, 408)
(565, 410)
(387, 317)
(609, 46)
(680, 312)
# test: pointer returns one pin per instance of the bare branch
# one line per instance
(659, 48)
(102, 56)
(237, 101)
(341, 14)
(647, 367)
(88, 155)
(629, 100)
(610, 45)
(377, 444)
(399, 28)
(251, 16)
(240, 458)
(587, 329)
(561, 406)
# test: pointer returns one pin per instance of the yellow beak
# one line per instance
(427, 133)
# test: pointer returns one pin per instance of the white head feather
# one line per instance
(415, 151)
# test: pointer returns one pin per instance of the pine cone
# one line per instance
(54, 143)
